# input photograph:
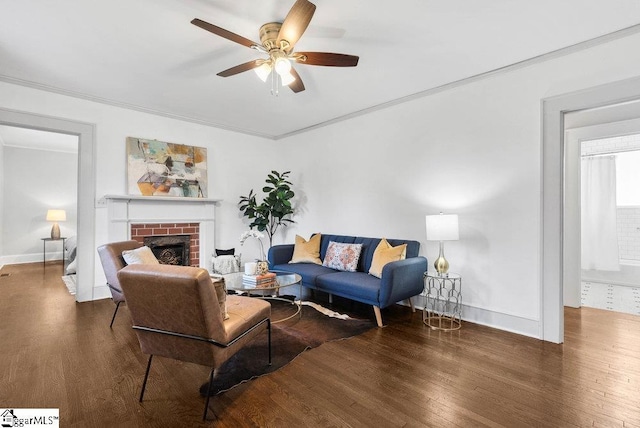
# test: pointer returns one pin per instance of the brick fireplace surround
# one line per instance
(142, 230)
(133, 217)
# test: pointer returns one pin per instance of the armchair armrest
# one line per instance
(280, 254)
(401, 280)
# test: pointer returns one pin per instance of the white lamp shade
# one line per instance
(56, 215)
(442, 227)
(263, 71)
(282, 66)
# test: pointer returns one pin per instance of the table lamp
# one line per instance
(55, 216)
(442, 228)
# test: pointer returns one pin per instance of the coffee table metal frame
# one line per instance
(233, 281)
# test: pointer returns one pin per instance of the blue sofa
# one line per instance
(400, 280)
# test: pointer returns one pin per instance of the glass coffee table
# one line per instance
(233, 281)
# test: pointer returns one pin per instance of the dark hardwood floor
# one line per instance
(58, 353)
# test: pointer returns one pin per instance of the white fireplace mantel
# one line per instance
(124, 210)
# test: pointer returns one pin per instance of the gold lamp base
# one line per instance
(441, 264)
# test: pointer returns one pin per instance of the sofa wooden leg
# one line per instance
(376, 310)
(330, 299)
(413, 308)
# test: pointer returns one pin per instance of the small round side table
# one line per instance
(443, 307)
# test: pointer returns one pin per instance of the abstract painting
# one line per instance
(156, 168)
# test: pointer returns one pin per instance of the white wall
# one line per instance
(35, 181)
(473, 150)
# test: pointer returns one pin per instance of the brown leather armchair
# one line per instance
(176, 314)
(112, 262)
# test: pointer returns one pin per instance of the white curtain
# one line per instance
(599, 219)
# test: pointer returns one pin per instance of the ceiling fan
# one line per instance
(278, 40)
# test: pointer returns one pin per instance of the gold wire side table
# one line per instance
(443, 307)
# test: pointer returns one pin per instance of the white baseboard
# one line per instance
(101, 292)
(17, 259)
(501, 321)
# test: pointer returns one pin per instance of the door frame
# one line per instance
(552, 189)
(86, 133)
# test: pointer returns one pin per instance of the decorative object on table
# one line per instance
(262, 280)
(55, 216)
(442, 227)
(443, 307)
(250, 268)
(275, 209)
(262, 266)
(156, 168)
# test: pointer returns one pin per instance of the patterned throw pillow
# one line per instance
(342, 256)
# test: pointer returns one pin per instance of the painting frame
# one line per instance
(162, 169)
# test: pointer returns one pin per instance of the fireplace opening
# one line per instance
(170, 250)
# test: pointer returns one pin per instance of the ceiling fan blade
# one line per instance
(240, 68)
(224, 33)
(327, 59)
(297, 85)
(296, 22)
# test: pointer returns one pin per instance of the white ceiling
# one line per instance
(145, 54)
(39, 140)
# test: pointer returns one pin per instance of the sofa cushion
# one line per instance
(307, 251)
(342, 257)
(358, 286)
(308, 271)
(384, 254)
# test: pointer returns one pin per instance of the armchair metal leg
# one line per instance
(114, 314)
(206, 403)
(146, 375)
(269, 333)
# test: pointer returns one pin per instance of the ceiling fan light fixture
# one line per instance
(282, 66)
(287, 78)
(263, 71)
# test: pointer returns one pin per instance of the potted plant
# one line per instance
(275, 209)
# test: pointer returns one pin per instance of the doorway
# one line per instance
(39, 174)
(86, 187)
(609, 166)
(558, 245)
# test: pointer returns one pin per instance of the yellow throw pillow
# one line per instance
(307, 251)
(384, 254)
